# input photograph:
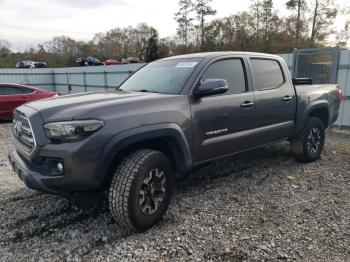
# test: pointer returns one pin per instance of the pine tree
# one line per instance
(299, 6)
(255, 10)
(265, 23)
(267, 15)
(203, 9)
(184, 20)
(152, 48)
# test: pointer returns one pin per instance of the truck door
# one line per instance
(222, 124)
(274, 99)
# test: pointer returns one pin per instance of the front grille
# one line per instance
(22, 132)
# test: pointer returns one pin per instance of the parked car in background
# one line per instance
(112, 62)
(14, 95)
(40, 65)
(88, 61)
(133, 60)
(30, 64)
(92, 61)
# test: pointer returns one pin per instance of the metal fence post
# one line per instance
(54, 80)
(84, 81)
(27, 79)
(105, 78)
(69, 87)
(335, 62)
(295, 63)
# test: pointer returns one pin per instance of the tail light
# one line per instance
(341, 95)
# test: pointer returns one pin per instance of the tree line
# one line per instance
(261, 29)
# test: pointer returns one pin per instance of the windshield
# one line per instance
(167, 76)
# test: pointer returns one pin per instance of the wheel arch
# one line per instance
(320, 109)
(322, 113)
(167, 138)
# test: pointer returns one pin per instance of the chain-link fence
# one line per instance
(319, 64)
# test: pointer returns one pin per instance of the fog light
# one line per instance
(60, 167)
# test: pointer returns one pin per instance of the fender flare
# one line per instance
(304, 115)
(144, 133)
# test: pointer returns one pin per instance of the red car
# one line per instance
(112, 62)
(13, 95)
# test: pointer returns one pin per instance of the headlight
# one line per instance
(72, 131)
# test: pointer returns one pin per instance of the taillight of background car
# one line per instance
(341, 95)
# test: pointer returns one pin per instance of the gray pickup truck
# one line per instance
(171, 115)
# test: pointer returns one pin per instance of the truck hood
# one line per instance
(91, 104)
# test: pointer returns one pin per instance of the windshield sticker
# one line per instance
(186, 64)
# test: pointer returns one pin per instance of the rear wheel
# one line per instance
(308, 146)
(141, 189)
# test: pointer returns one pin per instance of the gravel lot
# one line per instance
(260, 205)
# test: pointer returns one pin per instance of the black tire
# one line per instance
(135, 203)
(308, 146)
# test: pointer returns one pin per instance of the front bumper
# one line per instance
(80, 172)
(30, 177)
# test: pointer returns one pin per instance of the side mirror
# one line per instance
(211, 87)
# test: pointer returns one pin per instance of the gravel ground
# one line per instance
(260, 205)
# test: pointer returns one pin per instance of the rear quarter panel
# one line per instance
(39, 94)
(311, 97)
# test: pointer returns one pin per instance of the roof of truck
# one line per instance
(216, 54)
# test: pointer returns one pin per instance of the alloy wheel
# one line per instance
(313, 140)
(152, 191)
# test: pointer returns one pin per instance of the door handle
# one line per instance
(247, 104)
(287, 98)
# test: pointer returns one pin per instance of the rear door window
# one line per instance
(267, 73)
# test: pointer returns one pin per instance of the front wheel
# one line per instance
(308, 146)
(141, 189)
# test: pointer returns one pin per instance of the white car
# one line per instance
(30, 64)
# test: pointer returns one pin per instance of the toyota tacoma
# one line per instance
(168, 117)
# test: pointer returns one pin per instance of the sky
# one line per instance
(28, 23)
